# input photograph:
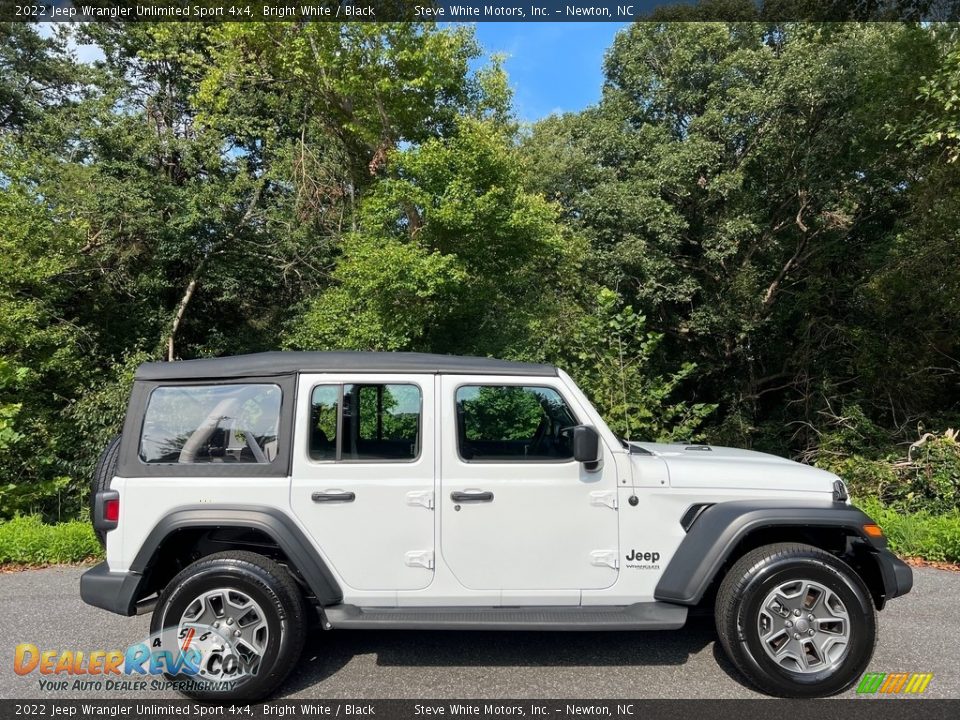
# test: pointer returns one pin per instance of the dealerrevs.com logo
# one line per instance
(894, 683)
(197, 656)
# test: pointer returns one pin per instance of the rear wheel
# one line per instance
(238, 621)
(796, 621)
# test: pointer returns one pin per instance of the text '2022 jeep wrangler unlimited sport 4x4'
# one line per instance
(249, 494)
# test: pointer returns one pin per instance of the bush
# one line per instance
(919, 534)
(932, 472)
(25, 540)
(927, 479)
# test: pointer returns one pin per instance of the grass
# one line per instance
(919, 534)
(26, 540)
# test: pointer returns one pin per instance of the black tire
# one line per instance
(737, 609)
(267, 583)
(103, 473)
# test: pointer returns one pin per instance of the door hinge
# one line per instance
(419, 558)
(605, 558)
(423, 498)
(607, 498)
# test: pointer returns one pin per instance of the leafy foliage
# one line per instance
(8, 411)
(393, 413)
(613, 357)
(747, 188)
(451, 254)
(938, 124)
(927, 478)
(25, 540)
(919, 534)
(752, 238)
(501, 413)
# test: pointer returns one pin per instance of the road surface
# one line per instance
(918, 633)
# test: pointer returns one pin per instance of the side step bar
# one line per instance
(639, 616)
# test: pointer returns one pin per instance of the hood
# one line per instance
(712, 466)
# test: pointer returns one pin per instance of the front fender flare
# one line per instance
(719, 528)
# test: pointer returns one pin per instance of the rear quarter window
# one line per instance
(211, 424)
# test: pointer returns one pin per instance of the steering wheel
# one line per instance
(539, 436)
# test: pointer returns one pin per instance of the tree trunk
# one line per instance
(192, 286)
(181, 311)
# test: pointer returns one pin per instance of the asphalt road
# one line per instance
(918, 633)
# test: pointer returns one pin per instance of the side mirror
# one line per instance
(586, 444)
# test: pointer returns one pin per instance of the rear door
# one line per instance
(517, 511)
(363, 476)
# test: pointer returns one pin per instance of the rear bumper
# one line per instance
(113, 591)
(897, 575)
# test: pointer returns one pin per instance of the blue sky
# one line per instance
(553, 67)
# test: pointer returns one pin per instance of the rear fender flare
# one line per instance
(270, 521)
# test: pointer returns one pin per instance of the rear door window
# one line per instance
(207, 424)
(365, 422)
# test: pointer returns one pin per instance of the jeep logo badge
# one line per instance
(643, 559)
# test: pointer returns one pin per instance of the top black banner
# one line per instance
(451, 11)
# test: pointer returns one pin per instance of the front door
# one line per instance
(363, 476)
(517, 511)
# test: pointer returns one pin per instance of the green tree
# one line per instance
(451, 254)
(937, 125)
(36, 75)
(501, 413)
(614, 359)
(739, 184)
(753, 236)
(182, 196)
(8, 410)
(43, 357)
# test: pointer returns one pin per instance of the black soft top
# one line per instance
(288, 363)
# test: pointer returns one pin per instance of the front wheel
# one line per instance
(796, 621)
(233, 626)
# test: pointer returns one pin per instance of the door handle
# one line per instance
(339, 496)
(471, 496)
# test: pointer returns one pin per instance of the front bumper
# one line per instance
(113, 591)
(896, 574)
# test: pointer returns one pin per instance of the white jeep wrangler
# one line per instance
(248, 496)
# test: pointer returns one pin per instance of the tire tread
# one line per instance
(732, 590)
(279, 580)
